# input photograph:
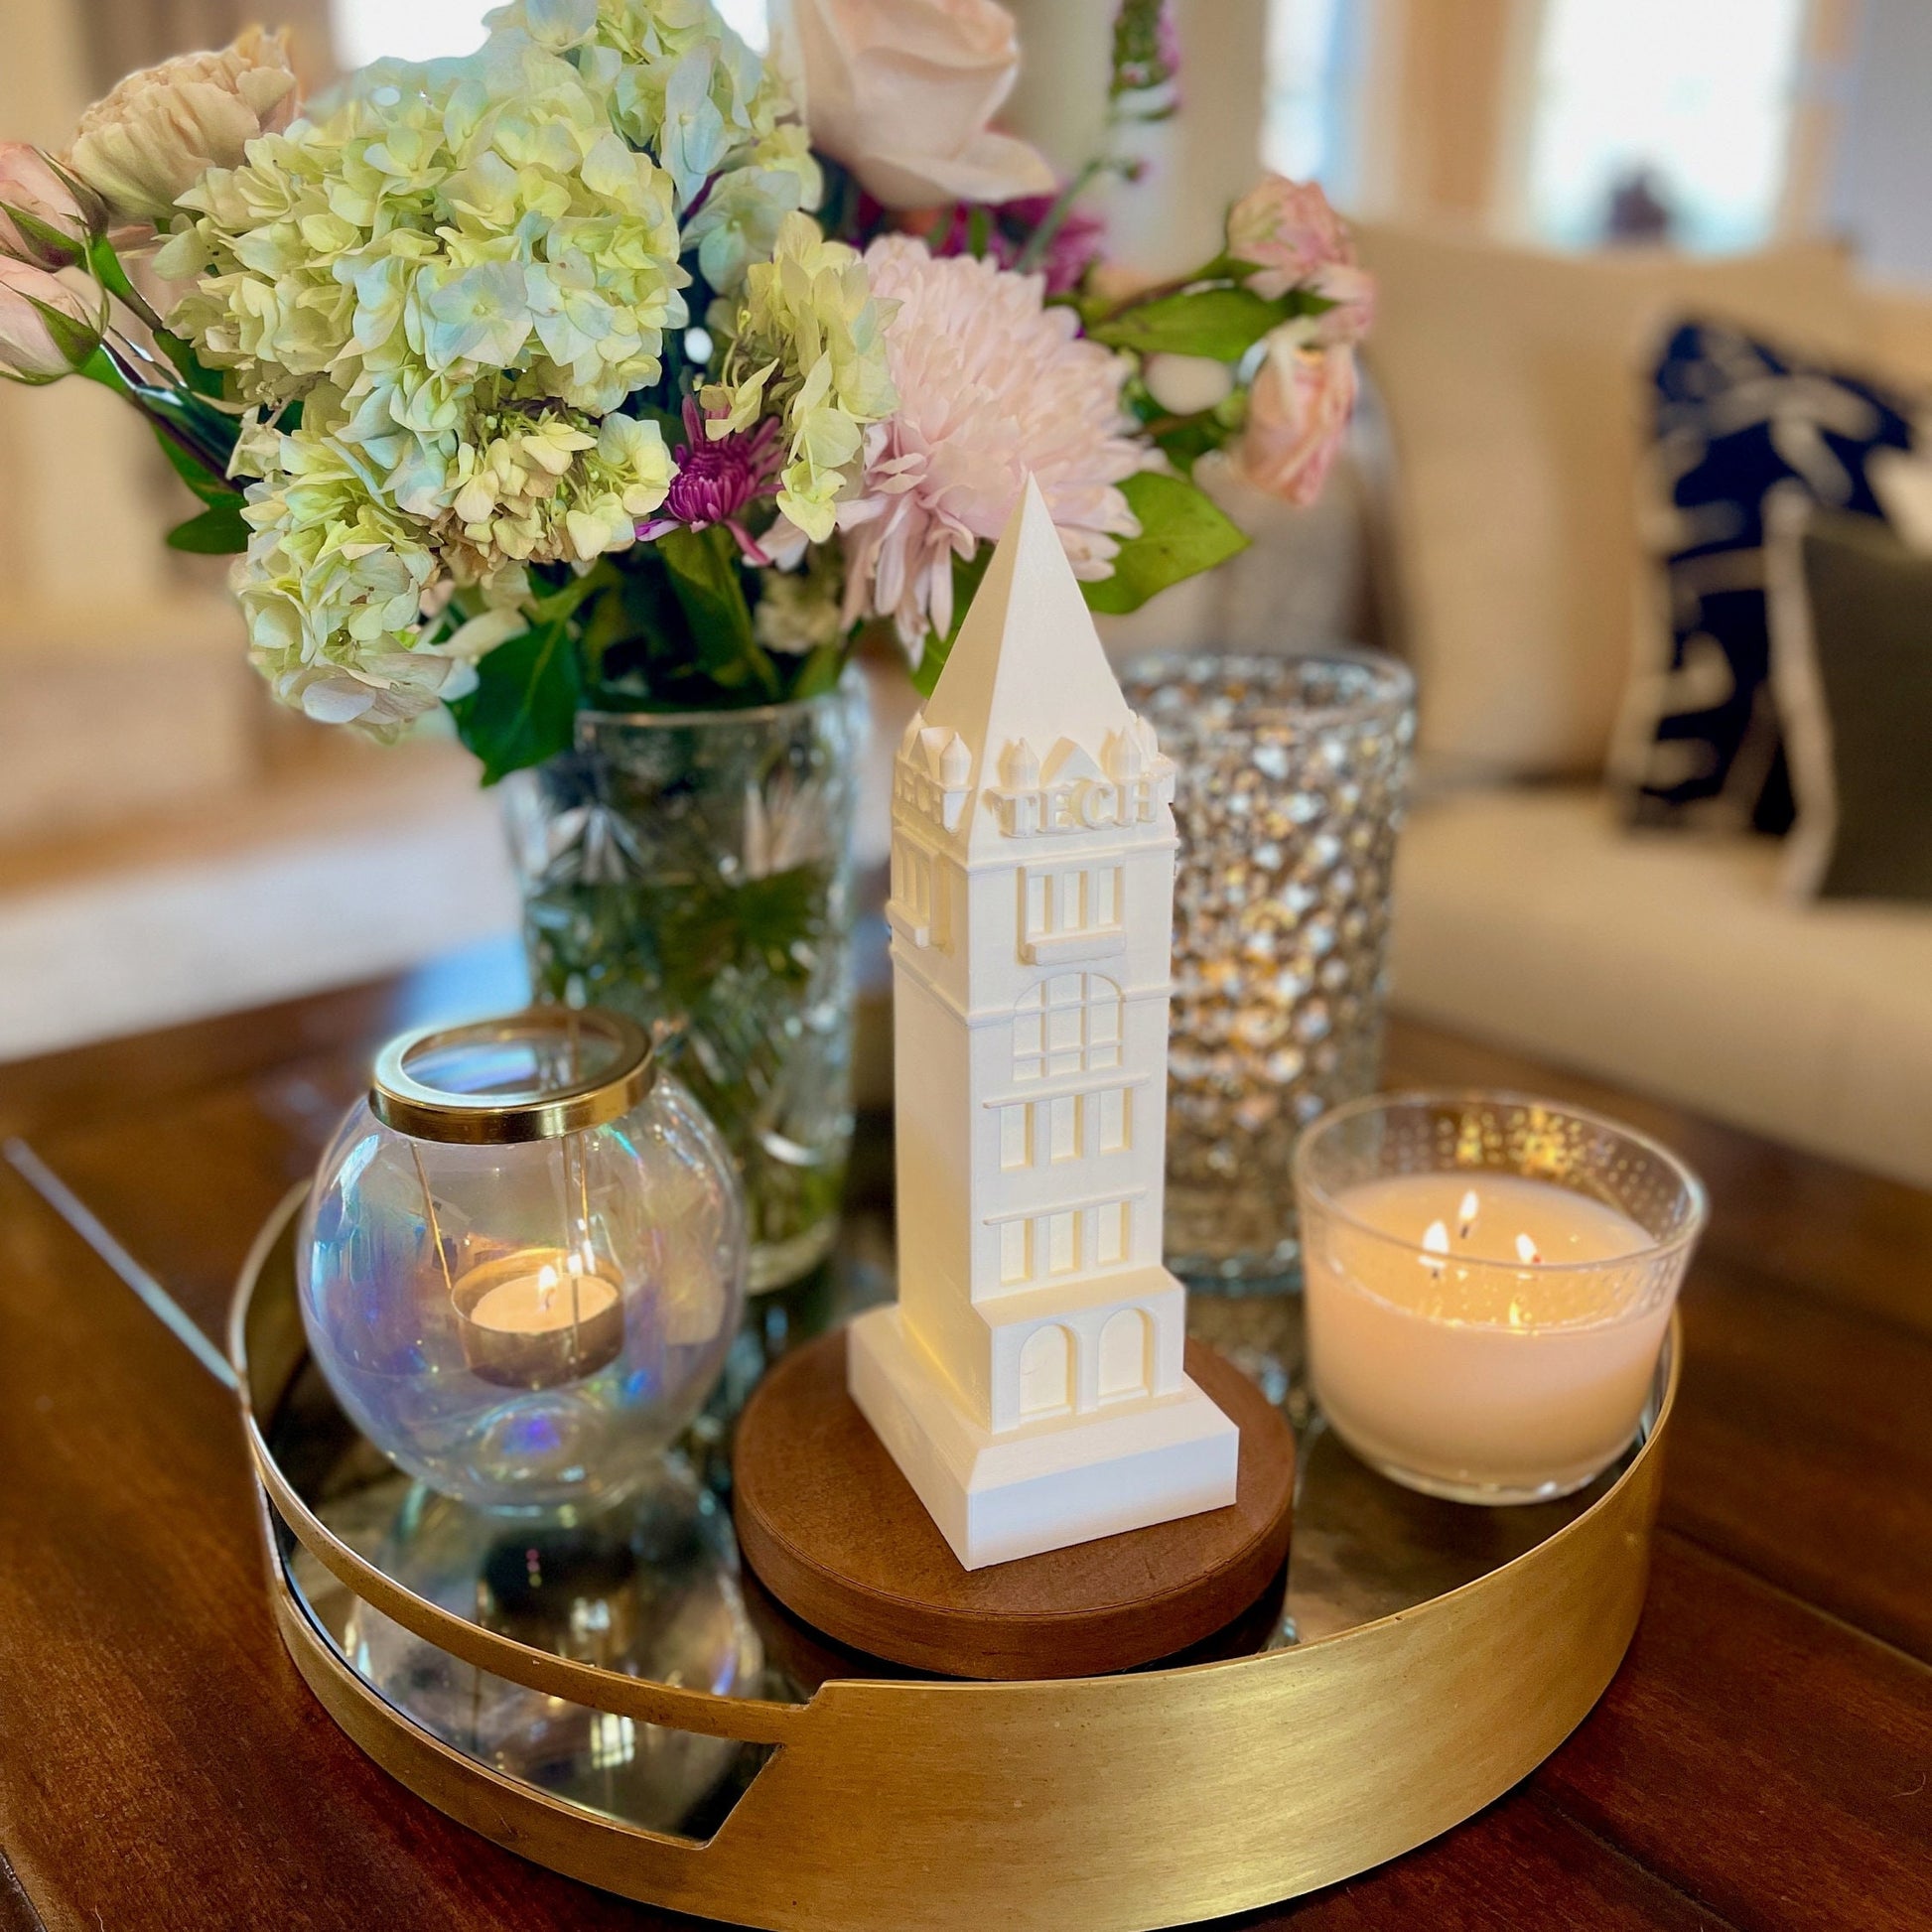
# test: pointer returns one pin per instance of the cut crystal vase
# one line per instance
(694, 870)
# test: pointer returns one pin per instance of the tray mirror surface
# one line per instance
(656, 1591)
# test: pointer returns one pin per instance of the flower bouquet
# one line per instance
(601, 389)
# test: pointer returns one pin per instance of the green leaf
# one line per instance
(563, 603)
(704, 574)
(933, 660)
(966, 577)
(1182, 532)
(1184, 443)
(1221, 323)
(217, 532)
(524, 706)
(211, 490)
(203, 380)
(820, 671)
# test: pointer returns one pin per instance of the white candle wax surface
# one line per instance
(543, 1302)
(1482, 1333)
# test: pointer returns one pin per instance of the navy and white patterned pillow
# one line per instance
(1737, 423)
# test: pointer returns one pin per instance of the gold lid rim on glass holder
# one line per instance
(425, 1112)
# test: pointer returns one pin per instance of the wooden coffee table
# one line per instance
(1763, 1759)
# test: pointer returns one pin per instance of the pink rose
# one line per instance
(903, 92)
(1287, 230)
(46, 327)
(1297, 416)
(46, 217)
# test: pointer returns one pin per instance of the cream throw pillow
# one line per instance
(1514, 380)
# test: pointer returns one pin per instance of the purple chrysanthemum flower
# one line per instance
(1076, 243)
(717, 481)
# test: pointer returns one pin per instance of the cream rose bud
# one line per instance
(46, 217)
(162, 129)
(1185, 385)
(47, 328)
(904, 92)
(1297, 416)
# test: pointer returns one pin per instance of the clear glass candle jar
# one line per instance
(522, 1260)
(1488, 1281)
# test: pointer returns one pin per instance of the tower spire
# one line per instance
(1028, 664)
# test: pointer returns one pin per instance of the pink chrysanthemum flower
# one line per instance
(992, 385)
(718, 482)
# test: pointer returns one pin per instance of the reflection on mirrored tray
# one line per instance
(651, 1589)
(656, 1590)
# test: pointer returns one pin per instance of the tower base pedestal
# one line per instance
(1056, 1482)
(836, 1535)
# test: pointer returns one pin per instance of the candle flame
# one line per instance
(1526, 1249)
(1465, 1214)
(546, 1284)
(1435, 1243)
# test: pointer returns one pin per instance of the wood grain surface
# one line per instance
(1762, 1760)
(836, 1534)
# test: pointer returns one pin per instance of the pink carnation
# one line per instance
(1298, 417)
(992, 385)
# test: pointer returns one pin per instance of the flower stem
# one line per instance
(108, 272)
(1222, 268)
(166, 411)
(1050, 224)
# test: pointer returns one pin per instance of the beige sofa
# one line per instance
(1525, 912)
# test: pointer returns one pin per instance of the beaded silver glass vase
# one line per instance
(1293, 773)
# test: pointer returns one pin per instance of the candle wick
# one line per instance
(1466, 1214)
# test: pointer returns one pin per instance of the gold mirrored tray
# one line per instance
(624, 1705)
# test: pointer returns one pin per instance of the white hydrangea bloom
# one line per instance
(807, 344)
(461, 270)
(331, 587)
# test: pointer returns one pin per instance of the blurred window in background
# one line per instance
(423, 30)
(1311, 126)
(1662, 119)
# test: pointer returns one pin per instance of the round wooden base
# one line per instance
(836, 1534)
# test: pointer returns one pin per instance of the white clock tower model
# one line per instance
(1028, 1381)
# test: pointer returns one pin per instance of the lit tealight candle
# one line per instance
(1484, 1336)
(533, 1327)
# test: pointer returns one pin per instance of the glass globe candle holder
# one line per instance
(522, 1260)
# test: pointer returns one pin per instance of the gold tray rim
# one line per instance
(1488, 1687)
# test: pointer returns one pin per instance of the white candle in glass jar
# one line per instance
(1481, 1334)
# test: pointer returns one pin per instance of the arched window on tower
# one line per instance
(1066, 1024)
